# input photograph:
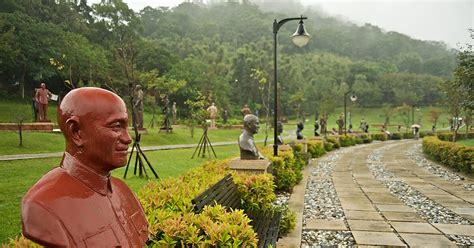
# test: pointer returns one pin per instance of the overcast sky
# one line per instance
(443, 20)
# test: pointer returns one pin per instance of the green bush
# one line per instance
(451, 154)
(316, 148)
(366, 138)
(346, 141)
(328, 146)
(396, 136)
(408, 135)
(285, 176)
(168, 208)
(256, 191)
(379, 136)
(359, 140)
(334, 141)
(287, 222)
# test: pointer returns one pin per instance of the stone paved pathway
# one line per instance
(379, 195)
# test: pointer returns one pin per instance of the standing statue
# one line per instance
(279, 131)
(41, 97)
(174, 112)
(299, 130)
(248, 150)
(340, 123)
(138, 106)
(212, 111)
(79, 204)
(225, 116)
(323, 122)
(245, 110)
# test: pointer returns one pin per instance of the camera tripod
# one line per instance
(203, 144)
(139, 155)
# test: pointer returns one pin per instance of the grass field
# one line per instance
(469, 142)
(18, 176)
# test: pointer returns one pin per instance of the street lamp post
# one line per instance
(353, 99)
(300, 38)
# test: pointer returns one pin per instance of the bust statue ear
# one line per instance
(72, 125)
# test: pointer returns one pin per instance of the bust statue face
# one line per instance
(96, 136)
(251, 123)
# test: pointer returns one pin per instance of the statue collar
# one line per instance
(96, 182)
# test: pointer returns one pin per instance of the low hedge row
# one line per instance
(451, 154)
(459, 136)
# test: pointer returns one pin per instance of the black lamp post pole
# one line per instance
(345, 113)
(276, 27)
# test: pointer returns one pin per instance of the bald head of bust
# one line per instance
(94, 122)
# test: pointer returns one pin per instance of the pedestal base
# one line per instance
(304, 143)
(257, 166)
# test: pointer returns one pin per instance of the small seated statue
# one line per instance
(248, 150)
(299, 130)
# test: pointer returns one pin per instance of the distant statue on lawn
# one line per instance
(212, 111)
(245, 110)
(79, 204)
(279, 131)
(323, 123)
(138, 106)
(42, 97)
(225, 116)
(174, 112)
(340, 123)
(299, 130)
(248, 149)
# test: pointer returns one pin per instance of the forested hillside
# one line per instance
(219, 53)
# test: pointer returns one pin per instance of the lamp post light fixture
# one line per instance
(300, 38)
(353, 99)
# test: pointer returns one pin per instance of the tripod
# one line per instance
(139, 156)
(139, 160)
(153, 120)
(166, 124)
(202, 146)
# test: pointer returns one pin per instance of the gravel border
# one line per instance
(426, 208)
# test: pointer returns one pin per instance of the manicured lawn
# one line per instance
(469, 142)
(54, 142)
(18, 176)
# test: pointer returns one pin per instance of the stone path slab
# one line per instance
(426, 240)
(377, 238)
(319, 224)
(414, 227)
(466, 230)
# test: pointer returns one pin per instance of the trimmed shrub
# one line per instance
(168, 208)
(408, 135)
(256, 191)
(366, 138)
(285, 176)
(379, 136)
(346, 141)
(451, 154)
(316, 148)
(359, 140)
(328, 146)
(334, 141)
(287, 222)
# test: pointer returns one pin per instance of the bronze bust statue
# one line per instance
(79, 204)
(248, 150)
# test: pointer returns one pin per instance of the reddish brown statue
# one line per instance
(41, 97)
(79, 204)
